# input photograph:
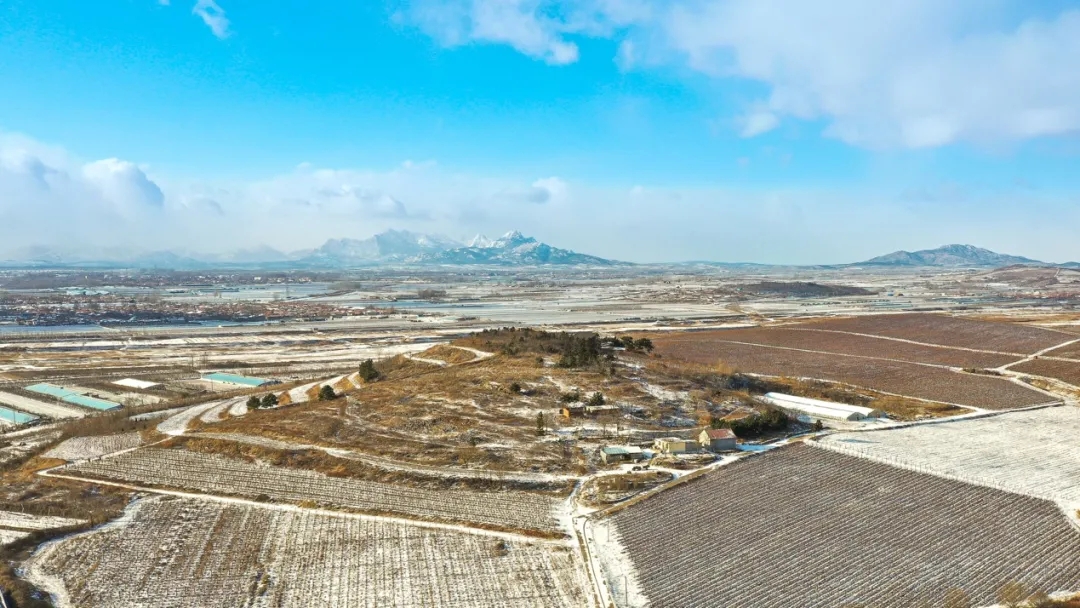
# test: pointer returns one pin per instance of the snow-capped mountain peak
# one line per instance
(481, 242)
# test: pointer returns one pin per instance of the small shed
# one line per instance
(572, 411)
(611, 454)
(675, 445)
(717, 440)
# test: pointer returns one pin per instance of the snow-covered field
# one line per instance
(84, 448)
(1034, 452)
(24, 521)
(41, 408)
(215, 474)
(10, 536)
(170, 552)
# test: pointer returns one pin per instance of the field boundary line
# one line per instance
(524, 538)
(1041, 353)
(930, 344)
(950, 368)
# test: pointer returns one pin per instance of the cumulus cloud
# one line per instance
(123, 184)
(213, 16)
(897, 73)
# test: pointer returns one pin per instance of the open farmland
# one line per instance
(1033, 452)
(84, 448)
(180, 552)
(798, 337)
(909, 379)
(835, 530)
(951, 331)
(1066, 371)
(1069, 351)
(214, 474)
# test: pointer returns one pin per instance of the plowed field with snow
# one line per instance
(168, 552)
(834, 530)
(1033, 452)
(214, 474)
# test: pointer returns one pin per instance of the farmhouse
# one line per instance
(816, 408)
(675, 445)
(611, 454)
(717, 440)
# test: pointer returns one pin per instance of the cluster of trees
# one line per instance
(629, 343)
(268, 400)
(766, 420)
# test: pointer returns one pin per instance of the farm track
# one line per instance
(836, 530)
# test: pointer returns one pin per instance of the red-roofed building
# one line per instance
(717, 440)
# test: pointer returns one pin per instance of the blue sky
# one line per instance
(765, 130)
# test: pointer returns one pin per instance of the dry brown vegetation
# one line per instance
(449, 354)
(458, 416)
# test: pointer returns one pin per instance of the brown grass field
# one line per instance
(909, 379)
(951, 331)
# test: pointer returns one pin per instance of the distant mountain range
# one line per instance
(950, 256)
(401, 247)
(390, 247)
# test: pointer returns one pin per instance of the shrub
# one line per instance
(515, 388)
(571, 397)
(770, 419)
(596, 398)
(368, 373)
(326, 393)
(253, 403)
(269, 400)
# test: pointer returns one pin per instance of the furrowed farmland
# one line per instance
(214, 474)
(181, 552)
(910, 379)
(951, 331)
(803, 337)
(835, 530)
(1066, 371)
(1033, 452)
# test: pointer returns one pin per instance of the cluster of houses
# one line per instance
(711, 440)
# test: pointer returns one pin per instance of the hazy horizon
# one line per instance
(723, 130)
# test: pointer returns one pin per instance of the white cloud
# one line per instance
(895, 73)
(123, 184)
(758, 122)
(50, 198)
(213, 16)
